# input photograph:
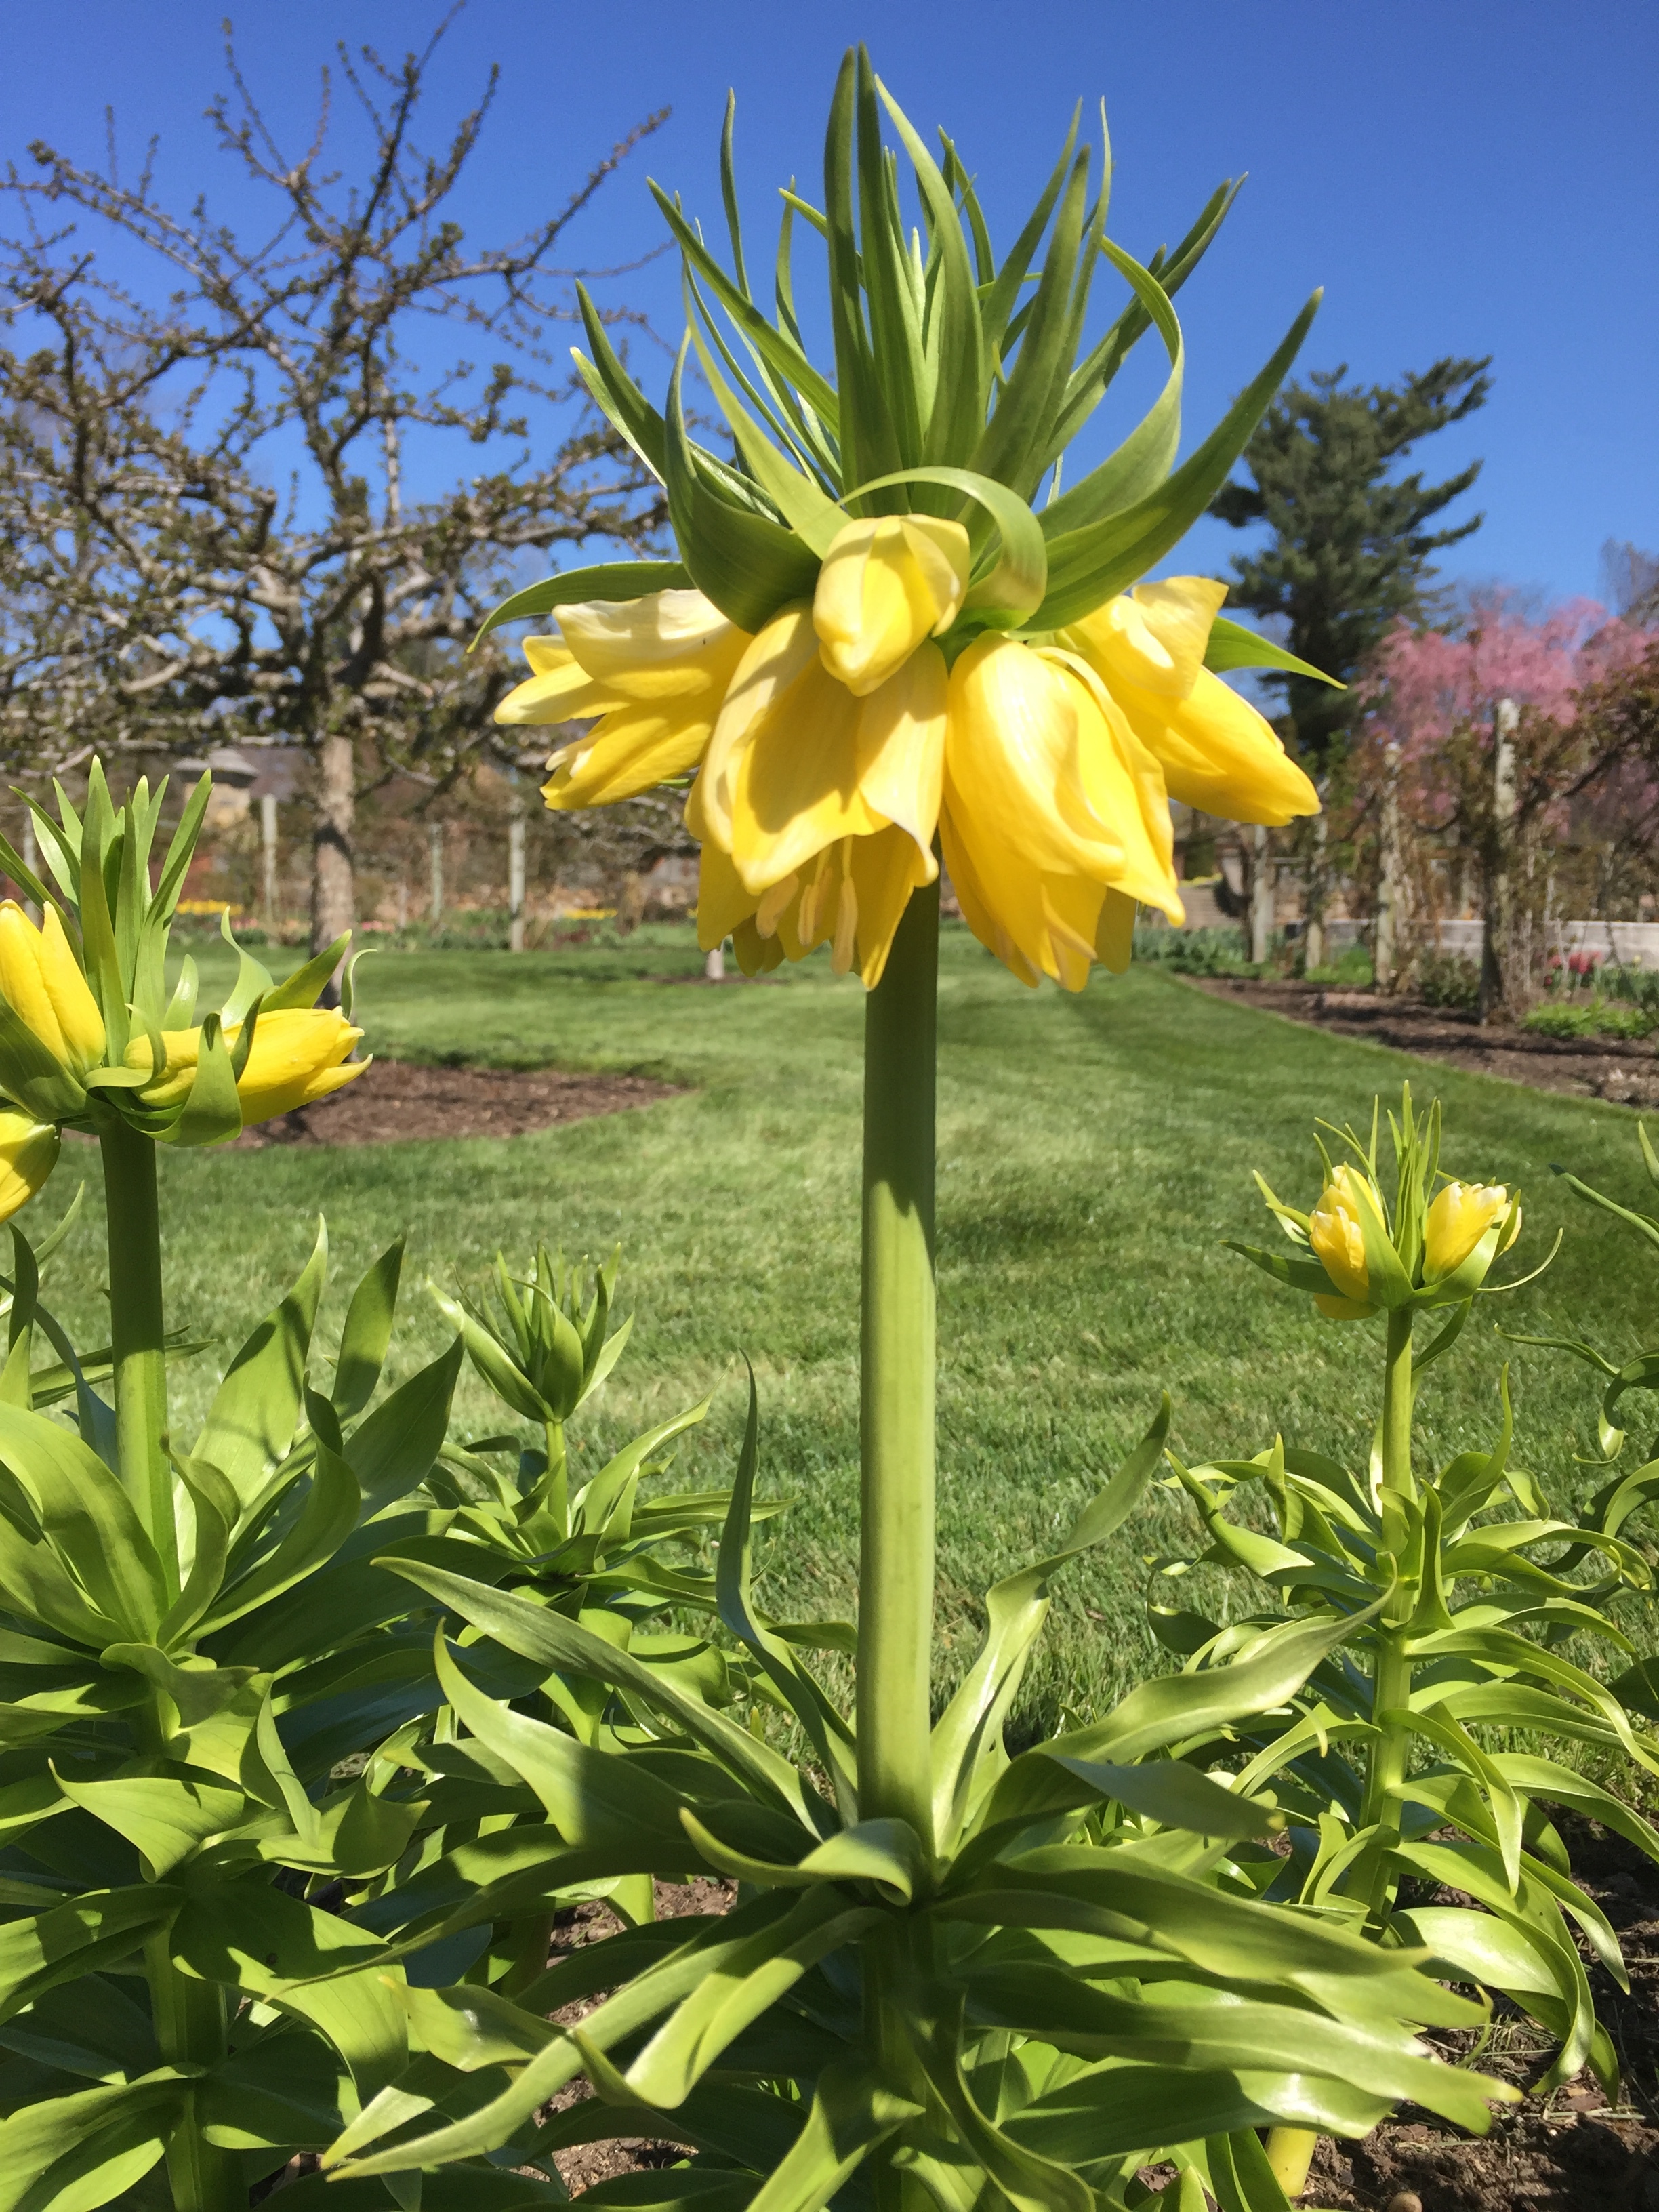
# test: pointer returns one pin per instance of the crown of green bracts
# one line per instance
(958, 385)
(92, 1025)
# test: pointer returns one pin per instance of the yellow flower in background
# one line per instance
(1337, 1236)
(298, 1055)
(886, 584)
(28, 1153)
(1457, 1219)
(40, 980)
(654, 670)
(1217, 753)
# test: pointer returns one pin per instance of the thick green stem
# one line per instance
(896, 1554)
(138, 1332)
(558, 1488)
(1391, 1691)
(896, 1551)
(190, 2030)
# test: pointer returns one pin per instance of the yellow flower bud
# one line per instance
(298, 1055)
(885, 585)
(1458, 1217)
(28, 1153)
(1338, 1237)
(41, 981)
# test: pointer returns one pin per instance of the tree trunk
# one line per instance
(1496, 902)
(333, 888)
(1262, 897)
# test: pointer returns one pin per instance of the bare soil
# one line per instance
(1623, 1070)
(395, 1100)
(584, 2164)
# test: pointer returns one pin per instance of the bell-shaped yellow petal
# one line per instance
(852, 897)
(28, 1153)
(1217, 753)
(798, 763)
(1154, 637)
(671, 645)
(901, 749)
(1458, 1217)
(656, 669)
(21, 983)
(1050, 805)
(885, 585)
(1337, 1234)
(630, 750)
(79, 1022)
(723, 899)
(769, 667)
(561, 690)
(298, 1055)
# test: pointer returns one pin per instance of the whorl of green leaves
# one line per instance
(1491, 1586)
(1084, 1977)
(959, 383)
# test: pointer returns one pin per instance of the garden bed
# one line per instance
(1571, 2152)
(1624, 1071)
(398, 1100)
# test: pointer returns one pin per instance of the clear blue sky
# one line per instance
(1464, 176)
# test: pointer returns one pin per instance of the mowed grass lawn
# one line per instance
(1093, 1153)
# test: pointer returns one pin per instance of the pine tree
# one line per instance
(1350, 554)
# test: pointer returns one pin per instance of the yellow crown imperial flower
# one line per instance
(28, 1153)
(40, 980)
(298, 1056)
(852, 685)
(886, 584)
(1337, 1236)
(1458, 1217)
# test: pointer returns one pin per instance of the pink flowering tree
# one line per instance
(1565, 816)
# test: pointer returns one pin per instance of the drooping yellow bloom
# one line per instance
(298, 1055)
(28, 1153)
(40, 980)
(1217, 753)
(654, 670)
(1054, 820)
(836, 746)
(1457, 1219)
(1337, 1234)
(885, 585)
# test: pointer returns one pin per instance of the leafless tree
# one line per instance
(210, 516)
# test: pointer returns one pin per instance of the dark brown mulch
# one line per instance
(1623, 1070)
(395, 1100)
